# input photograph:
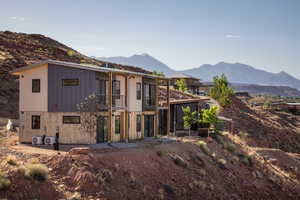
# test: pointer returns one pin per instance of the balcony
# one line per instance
(118, 101)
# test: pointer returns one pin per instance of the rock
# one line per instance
(201, 172)
(222, 163)
(179, 161)
(80, 150)
(76, 196)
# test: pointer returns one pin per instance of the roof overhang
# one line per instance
(179, 101)
(83, 67)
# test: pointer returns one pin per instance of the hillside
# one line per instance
(144, 61)
(19, 49)
(241, 73)
(266, 90)
(259, 161)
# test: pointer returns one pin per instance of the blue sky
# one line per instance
(182, 34)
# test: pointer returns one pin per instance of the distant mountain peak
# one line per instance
(143, 60)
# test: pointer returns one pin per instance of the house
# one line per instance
(291, 107)
(89, 104)
(193, 84)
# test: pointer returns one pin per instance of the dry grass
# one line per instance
(36, 171)
(4, 181)
(11, 159)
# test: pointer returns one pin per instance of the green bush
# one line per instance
(203, 146)
(230, 147)
(37, 171)
(4, 181)
(160, 153)
(245, 159)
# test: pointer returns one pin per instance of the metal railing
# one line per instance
(118, 101)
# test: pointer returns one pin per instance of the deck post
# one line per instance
(169, 107)
(110, 121)
(126, 132)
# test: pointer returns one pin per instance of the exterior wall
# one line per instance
(65, 99)
(133, 103)
(68, 133)
(34, 101)
(133, 134)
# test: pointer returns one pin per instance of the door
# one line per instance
(102, 129)
(149, 125)
(163, 119)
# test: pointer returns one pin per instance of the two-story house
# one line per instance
(88, 104)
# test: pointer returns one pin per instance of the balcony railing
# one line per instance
(149, 101)
(118, 101)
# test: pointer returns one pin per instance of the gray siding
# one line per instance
(65, 99)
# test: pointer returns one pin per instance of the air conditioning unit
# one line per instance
(37, 140)
(49, 140)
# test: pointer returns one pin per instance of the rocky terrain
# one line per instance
(20, 49)
(260, 160)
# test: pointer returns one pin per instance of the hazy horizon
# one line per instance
(185, 34)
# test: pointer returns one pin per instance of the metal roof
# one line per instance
(84, 67)
(181, 75)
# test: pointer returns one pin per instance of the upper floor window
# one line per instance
(35, 122)
(70, 82)
(138, 91)
(36, 85)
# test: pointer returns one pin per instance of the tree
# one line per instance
(181, 85)
(221, 90)
(189, 118)
(157, 73)
(210, 116)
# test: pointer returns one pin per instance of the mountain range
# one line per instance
(235, 72)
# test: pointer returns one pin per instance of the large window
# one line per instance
(117, 124)
(35, 122)
(70, 82)
(138, 123)
(138, 91)
(71, 119)
(36, 85)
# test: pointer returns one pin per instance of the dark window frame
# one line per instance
(118, 118)
(68, 122)
(75, 80)
(38, 126)
(138, 91)
(36, 88)
(138, 123)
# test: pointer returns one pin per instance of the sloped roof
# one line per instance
(181, 75)
(82, 66)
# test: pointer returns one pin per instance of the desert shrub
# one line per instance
(218, 138)
(222, 163)
(160, 153)
(203, 146)
(245, 159)
(104, 176)
(21, 169)
(180, 161)
(4, 181)
(70, 53)
(11, 159)
(37, 171)
(33, 161)
(230, 147)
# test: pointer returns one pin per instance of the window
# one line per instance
(116, 89)
(36, 85)
(117, 124)
(71, 119)
(138, 123)
(70, 82)
(138, 91)
(35, 122)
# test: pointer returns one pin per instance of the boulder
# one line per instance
(80, 150)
